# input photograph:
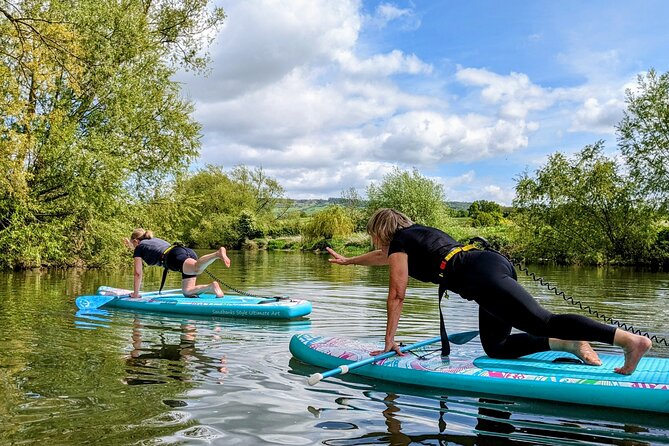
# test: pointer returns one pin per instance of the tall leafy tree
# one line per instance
(420, 198)
(223, 208)
(88, 110)
(583, 209)
(643, 135)
(485, 213)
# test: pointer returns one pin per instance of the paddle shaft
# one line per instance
(457, 338)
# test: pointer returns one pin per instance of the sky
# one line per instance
(328, 95)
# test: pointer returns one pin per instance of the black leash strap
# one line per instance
(243, 293)
(445, 345)
(162, 281)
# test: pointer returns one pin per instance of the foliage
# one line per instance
(257, 188)
(583, 209)
(214, 208)
(420, 198)
(643, 135)
(334, 221)
(88, 110)
(485, 213)
(247, 226)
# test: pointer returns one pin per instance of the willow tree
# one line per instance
(420, 198)
(643, 135)
(583, 209)
(88, 110)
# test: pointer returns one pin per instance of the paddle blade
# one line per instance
(463, 338)
(93, 302)
(314, 379)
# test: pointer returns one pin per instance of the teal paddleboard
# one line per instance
(204, 305)
(536, 376)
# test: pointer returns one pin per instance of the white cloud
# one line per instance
(594, 116)
(383, 65)
(293, 90)
(386, 13)
(516, 94)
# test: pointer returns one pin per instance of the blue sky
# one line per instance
(325, 95)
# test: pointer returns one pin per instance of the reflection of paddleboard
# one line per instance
(532, 376)
(205, 304)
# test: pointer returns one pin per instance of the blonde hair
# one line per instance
(385, 223)
(141, 234)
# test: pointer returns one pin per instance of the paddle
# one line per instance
(457, 339)
(98, 300)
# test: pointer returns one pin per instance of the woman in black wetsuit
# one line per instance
(155, 251)
(488, 278)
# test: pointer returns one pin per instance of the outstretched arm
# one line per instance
(372, 258)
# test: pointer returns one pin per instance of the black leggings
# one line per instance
(490, 279)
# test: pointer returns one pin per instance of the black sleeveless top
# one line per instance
(425, 248)
(151, 250)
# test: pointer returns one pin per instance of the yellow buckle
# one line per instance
(450, 255)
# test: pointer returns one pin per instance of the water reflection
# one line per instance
(485, 422)
(140, 378)
(159, 361)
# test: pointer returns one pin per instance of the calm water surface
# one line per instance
(124, 378)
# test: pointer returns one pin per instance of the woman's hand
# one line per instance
(390, 346)
(336, 258)
(128, 244)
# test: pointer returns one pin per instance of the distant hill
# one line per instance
(311, 206)
(459, 205)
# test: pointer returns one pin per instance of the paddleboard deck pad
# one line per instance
(541, 375)
(205, 304)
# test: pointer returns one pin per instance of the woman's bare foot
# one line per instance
(581, 349)
(217, 289)
(222, 254)
(634, 346)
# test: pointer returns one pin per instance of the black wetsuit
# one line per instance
(490, 279)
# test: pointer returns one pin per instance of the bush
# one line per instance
(333, 221)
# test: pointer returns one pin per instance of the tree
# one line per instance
(333, 221)
(420, 198)
(583, 209)
(218, 207)
(263, 191)
(643, 135)
(88, 110)
(485, 213)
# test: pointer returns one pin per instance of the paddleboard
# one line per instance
(540, 375)
(204, 305)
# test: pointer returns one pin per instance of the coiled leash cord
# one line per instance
(243, 293)
(570, 299)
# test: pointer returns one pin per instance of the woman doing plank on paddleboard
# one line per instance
(173, 257)
(489, 279)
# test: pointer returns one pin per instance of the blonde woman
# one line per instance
(489, 279)
(158, 252)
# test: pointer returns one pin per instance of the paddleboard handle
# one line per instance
(314, 379)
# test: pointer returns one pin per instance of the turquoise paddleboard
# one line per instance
(533, 376)
(204, 305)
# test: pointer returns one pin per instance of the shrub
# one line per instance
(331, 222)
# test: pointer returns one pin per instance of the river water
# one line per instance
(120, 377)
